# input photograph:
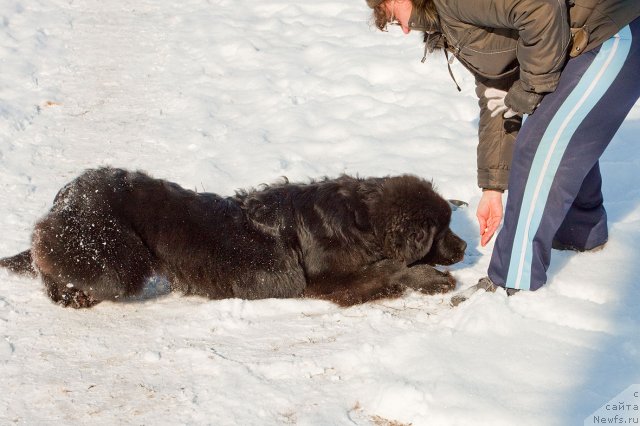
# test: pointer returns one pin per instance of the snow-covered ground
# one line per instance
(219, 95)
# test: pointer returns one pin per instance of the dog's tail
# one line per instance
(21, 264)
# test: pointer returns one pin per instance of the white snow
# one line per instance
(218, 95)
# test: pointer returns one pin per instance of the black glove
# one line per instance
(520, 100)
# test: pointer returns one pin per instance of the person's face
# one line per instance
(399, 12)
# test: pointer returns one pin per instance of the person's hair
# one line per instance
(425, 8)
(380, 18)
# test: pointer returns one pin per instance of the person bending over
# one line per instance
(572, 69)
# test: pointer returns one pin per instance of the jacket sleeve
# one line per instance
(543, 28)
(496, 139)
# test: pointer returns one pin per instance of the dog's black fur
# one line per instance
(348, 240)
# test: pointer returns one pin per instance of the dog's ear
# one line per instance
(409, 243)
(418, 244)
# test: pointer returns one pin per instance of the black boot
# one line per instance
(557, 245)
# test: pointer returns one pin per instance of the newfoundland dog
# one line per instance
(348, 240)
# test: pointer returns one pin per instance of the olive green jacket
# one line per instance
(503, 41)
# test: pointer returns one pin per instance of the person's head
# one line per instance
(392, 12)
(408, 14)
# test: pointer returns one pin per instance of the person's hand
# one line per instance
(520, 100)
(489, 215)
(496, 103)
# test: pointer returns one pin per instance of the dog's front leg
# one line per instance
(368, 283)
(424, 278)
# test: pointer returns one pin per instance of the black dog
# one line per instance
(348, 240)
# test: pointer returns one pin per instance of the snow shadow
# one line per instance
(463, 225)
(615, 364)
(616, 361)
(154, 288)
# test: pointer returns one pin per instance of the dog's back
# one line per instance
(110, 230)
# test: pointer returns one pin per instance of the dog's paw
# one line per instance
(447, 283)
(74, 298)
(439, 284)
(426, 279)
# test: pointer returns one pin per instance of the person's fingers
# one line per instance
(482, 222)
(499, 110)
(494, 103)
(485, 230)
(486, 237)
(510, 113)
(490, 229)
(494, 93)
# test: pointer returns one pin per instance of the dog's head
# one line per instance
(411, 222)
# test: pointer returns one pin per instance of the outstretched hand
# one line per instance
(489, 215)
